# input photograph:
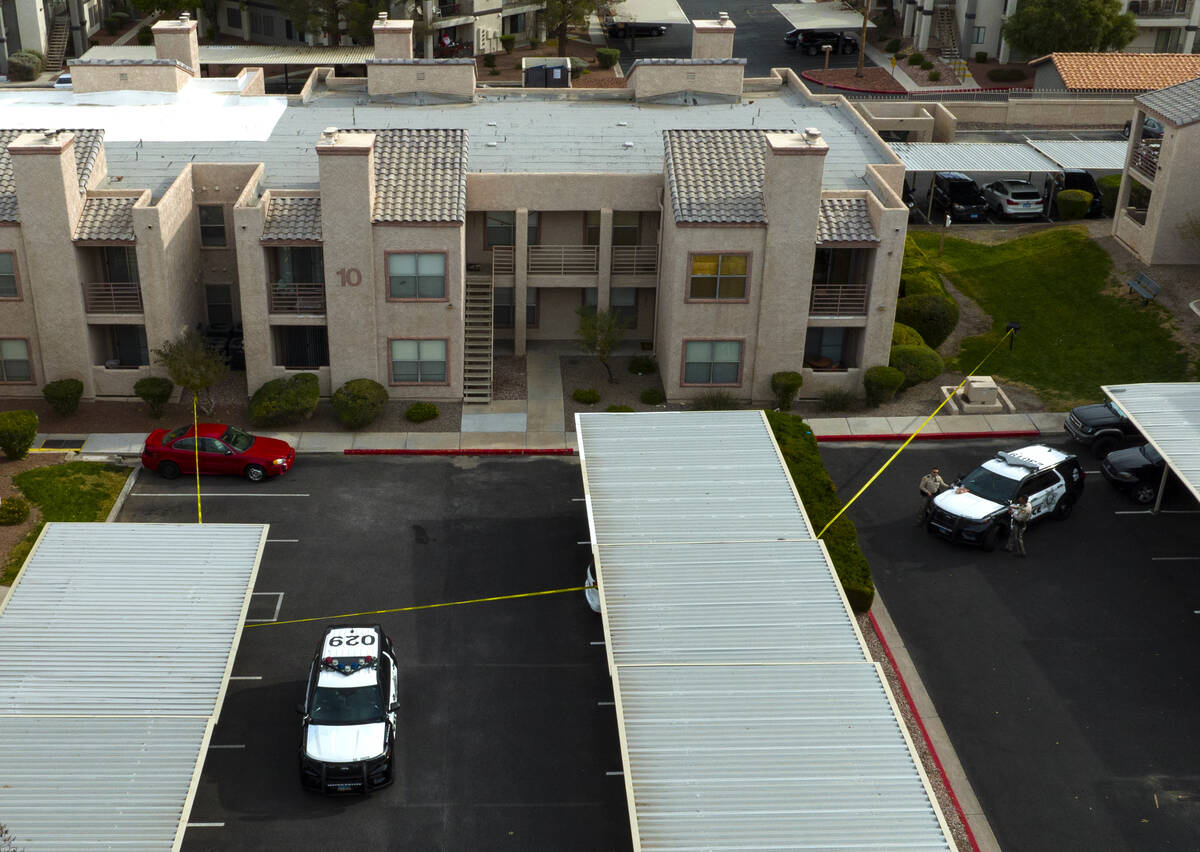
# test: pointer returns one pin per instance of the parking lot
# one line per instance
(1067, 680)
(505, 735)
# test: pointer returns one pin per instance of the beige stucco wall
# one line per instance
(563, 191)
(912, 119)
(1070, 112)
(653, 81)
(713, 39)
(452, 80)
(222, 184)
(1171, 234)
(249, 214)
(17, 318)
(87, 78)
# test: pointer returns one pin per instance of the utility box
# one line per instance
(980, 390)
(546, 72)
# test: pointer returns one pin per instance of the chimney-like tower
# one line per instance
(178, 40)
(713, 39)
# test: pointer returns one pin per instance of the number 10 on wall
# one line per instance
(350, 277)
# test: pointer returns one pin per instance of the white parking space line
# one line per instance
(1160, 511)
(283, 541)
(1092, 472)
(278, 606)
(245, 677)
(1174, 558)
(618, 772)
(583, 542)
(578, 499)
(601, 642)
(192, 496)
(606, 704)
(227, 746)
(206, 825)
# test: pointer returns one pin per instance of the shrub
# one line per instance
(838, 400)
(653, 396)
(1073, 204)
(489, 61)
(22, 68)
(715, 401)
(921, 283)
(144, 36)
(934, 317)
(508, 42)
(17, 431)
(619, 408)
(642, 365)
(917, 363)
(819, 496)
(534, 44)
(607, 56)
(111, 25)
(1139, 196)
(934, 76)
(926, 65)
(122, 17)
(916, 58)
(419, 412)
(285, 401)
(1006, 75)
(893, 46)
(785, 385)
(13, 510)
(358, 402)
(586, 396)
(63, 395)
(981, 56)
(155, 391)
(881, 384)
(1110, 188)
(905, 335)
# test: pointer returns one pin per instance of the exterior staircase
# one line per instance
(477, 343)
(947, 35)
(56, 44)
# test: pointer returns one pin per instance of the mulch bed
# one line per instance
(581, 371)
(508, 66)
(874, 79)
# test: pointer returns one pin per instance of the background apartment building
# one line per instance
(736, 236)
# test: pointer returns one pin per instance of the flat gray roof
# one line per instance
(1168, 414)
(247, 54)
(119, 639)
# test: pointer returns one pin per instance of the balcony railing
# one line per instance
(635, 260)
(838, 300)
(106, 297)
(296, 298)
(563, 260)
(1145, 158)
(503, 260)
(1161, 8)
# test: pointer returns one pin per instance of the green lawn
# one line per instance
(1074, 337)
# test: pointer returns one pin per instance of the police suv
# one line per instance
(976, 510)
(348, 732)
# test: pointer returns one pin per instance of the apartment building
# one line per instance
(407, 226)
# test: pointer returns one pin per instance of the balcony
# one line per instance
(295, 298)
(1161, 8)
(1145, 157)
(838, 300)
(503, 260)
(635, 260)
(564, 260)
(108, 297)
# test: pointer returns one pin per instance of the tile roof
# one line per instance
(420, 175)
(1124, 71)
(1178, 104)
(107, 218)
(88, 144)
(716, 176)
(291, 218)
(845, 220)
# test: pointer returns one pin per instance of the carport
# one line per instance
(821, 16)
(664, 12)
(1090, 156)
(1168, 416)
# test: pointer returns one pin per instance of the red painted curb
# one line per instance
(480, 452)
(932, 436)
(924, 733)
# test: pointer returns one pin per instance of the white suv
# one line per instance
(976, 510)
(348, 733)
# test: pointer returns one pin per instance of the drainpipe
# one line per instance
(3, 44)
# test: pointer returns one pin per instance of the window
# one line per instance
(301, 347)
(289, 31)
(502, 227)
(980, 33)
(297, 265)
(121, 346)
(418, 361)
(8, 276)
(233, 17)
(256, 19)
(624, 227)
(416, 276)
(718, 276)
(120, 264)
(268, 24)
(14, 361)
(504, 309)
(831, 348)
(514, 24)
(622, 303)
(712, 362)
(840, 266)
(212, 225)
(219, 300)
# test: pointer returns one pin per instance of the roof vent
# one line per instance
(492, 144)
(185, 18)
(626, 145)
(724, 17)
(812, 134)
(382, 16)
(622, 124)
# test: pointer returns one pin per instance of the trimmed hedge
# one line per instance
(927, 66)
(144, 36)
(155, 391)
(586, 396)
(508, 42)
(1110, 188)
(13, 510)
(921, 282)
(933, 317)
(916, 58)
(63, 395)
(893, 46)
(285, 401)
(642, 365)
(22, 67)
(653, 396)
(785, 385)
(17, 432)
(419, 412)
(934, 76)
(607, 56)
(904, 335)
(1073, 204)
(917, 363)
(819, 496)
(619, 408)
(882, 383)
(358, 402)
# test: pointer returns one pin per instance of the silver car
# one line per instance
(1014, 198)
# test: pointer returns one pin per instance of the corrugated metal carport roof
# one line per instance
(821, 16)
(119, 639)
(1168, 414)
(988, 157)
(750, 714)
(252, 55)
(1080, 154)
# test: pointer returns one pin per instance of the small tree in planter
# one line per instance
(508, 42)
(193, 365)
(599, 332)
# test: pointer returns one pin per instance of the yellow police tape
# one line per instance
(875, 476)
(422, 606)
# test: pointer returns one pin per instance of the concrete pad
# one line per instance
(494, 441)
(493, 422)
(868, 425)
(571, 440)
(115, 443)
(292, 438)
(543, 377)
(964, 423)
(325, 442)
(545, 415)
(496, 406)
(1048, 421)
(432, 441)
(829, 426)
(1009, 422)
(544, 440)
(380, 441)
(908, 425)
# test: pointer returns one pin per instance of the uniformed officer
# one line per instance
(1022, 514)
(932, 484)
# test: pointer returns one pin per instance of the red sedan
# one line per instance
(223, 449)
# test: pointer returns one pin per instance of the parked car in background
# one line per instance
(810, 42)
(222, 449)
(959, 196)
(1138, 471)
(1151, 128)
(1103, 427)
(1012, 198)
(63, 81)
(633, 29)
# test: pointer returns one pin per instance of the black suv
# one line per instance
(1102, 427)
(632, 29)
(959, 196)
(1136, 470)
(811, 41)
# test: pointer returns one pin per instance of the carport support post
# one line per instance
(1162, 484)
(862, 41)
(929, 207)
